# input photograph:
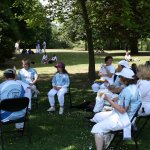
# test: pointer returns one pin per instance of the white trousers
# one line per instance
(108, 121)
(98, 105)
(28, 94)
(60, 93)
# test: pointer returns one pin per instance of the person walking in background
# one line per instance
(60, 83)
(44, 47)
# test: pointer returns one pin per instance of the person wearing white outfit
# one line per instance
(112, 90)
(44, 47)
(126, 106)
(118, 86)
(45, 58)
(29, 76)
(144, 86)
(60, 83)
(106, 73)
(10, 88)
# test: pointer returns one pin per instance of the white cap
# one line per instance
(124, 63)
(9, 71)
(126, 72)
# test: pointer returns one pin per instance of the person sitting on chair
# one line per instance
(106, 73)
(119, 118)
(60, 83)
(10, 88)
(29, 75)
(143, 83)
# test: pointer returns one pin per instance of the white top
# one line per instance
(45, 57)
(54, 58)
(127, 57)
(144, 87)
(16, 45)
(112, 70)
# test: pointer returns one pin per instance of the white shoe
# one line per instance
(51, 109)
(92, 120)
(61, 110)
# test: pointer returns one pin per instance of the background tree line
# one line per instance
(97, 24)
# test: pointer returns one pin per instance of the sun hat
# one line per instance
(124, 63)
(60, 65)
(9, 71)
(127, 73)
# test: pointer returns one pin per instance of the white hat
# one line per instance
(127, 73)
(9, 71)
(124, 63)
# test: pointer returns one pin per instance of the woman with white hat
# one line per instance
(127, 104)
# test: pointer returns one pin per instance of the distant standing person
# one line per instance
(44, 47)
(38, 47)
(17, 46)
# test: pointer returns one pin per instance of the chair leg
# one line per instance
(135, 141)
(142, 127)
(70, 100)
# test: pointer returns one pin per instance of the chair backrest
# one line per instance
(136, 113)
(14, 104)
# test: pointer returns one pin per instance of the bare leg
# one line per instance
(99, 141)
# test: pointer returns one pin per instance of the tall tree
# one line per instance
(63, 10)
(88, 29)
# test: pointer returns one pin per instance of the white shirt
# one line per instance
(45, 57)
(54, 58)
(144, 87)
(112, 70)
(16, 45)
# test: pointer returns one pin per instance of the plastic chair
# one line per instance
(14, 105)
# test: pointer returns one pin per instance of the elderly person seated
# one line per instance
(119, 118)
(144, 87)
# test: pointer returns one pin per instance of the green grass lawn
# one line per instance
(70, 131)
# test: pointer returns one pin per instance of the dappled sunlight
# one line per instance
(71, 147)
(46, 128)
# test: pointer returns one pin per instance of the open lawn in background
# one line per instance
(70, 131)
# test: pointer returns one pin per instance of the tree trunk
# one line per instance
(88, 29)
(133, 42)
